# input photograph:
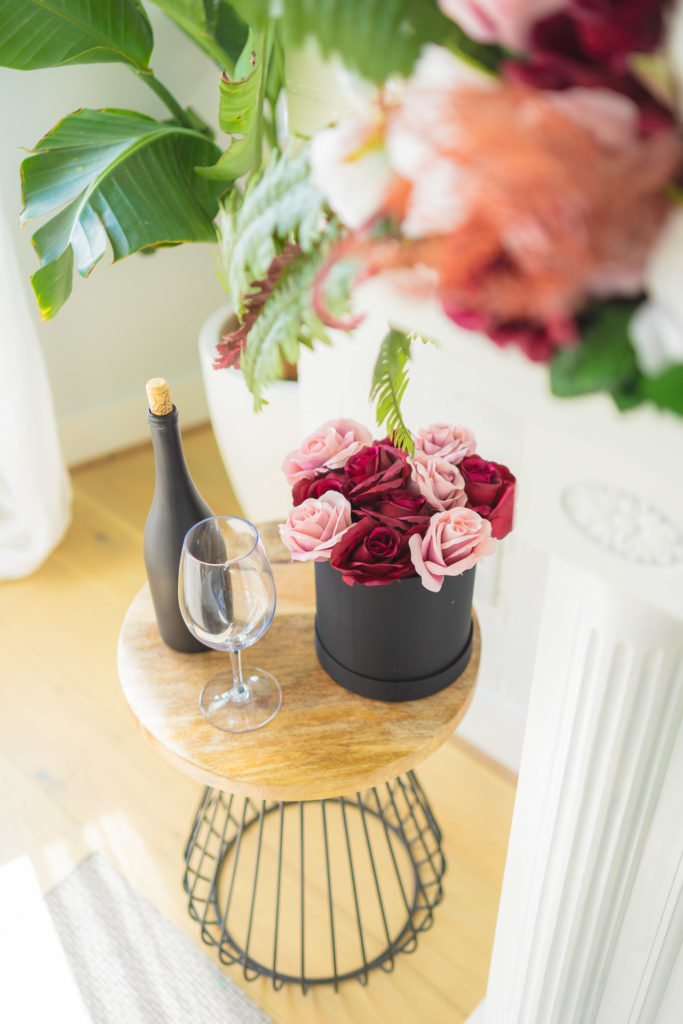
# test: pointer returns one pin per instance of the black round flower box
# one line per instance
(394, 642)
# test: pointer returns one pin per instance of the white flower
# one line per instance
(657, 337)
(665, 267)
(350, 167)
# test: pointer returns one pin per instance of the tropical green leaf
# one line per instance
(666, 390)
(118, 176)
(377, 38)
(213, 25)
(48, 33)
(240, 111)
(389, 382)
(53, 282)
(228, 27)
(256, 12)
(604, 361)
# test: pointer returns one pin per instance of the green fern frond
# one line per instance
(389, 382)
(285, 322)
(280, 206)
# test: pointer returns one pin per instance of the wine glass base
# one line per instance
(220, 708)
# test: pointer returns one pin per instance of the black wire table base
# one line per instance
(318, 892)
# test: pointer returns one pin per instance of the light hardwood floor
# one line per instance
(75, 775)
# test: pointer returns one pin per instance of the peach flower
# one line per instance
(314, 527)
(329, 447)
(439, 482)
(449, 441)
(524, 210)
(454, 542)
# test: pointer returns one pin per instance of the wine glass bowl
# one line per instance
(226, 594)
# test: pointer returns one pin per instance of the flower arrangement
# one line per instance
(516, 161)
(527, 181)
(378, 515)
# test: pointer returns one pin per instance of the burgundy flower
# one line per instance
(374, 470)
(490, 489)
(539, 341)
(587, 45)
(611, 29)
(372, 554)
(401, 510)
(316, 486)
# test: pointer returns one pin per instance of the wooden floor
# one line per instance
(75, 775)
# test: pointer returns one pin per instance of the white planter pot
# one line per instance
(252, 445)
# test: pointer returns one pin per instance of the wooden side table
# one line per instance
(314, 855)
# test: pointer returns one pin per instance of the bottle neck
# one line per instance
(168, 449)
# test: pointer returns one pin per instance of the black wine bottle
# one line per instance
(177, 505)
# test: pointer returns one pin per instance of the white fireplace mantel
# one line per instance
(591, 917)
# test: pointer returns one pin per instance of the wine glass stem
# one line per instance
(240, 690)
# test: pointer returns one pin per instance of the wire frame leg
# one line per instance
(315, 893)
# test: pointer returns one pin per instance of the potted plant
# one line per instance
(395, 540)
(518, 165)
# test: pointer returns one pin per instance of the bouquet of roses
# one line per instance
(379, 515)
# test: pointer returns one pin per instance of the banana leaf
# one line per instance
(49, 33)
(113, 176)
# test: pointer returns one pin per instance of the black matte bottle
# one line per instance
(177, 505)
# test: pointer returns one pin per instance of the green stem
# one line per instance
(269, 38)
(148, 77)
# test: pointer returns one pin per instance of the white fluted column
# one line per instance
(591, 916)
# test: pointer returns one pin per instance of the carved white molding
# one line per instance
(590, 918)
(626, 524)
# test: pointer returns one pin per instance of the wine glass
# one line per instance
(226, 594)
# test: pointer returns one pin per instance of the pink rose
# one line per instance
(439, 482)
(449, 441)
(314, 527)
(329, 447)
(454, 542)
(500, 21)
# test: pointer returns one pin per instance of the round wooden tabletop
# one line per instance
(323, 742)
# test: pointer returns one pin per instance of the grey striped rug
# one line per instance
(131, 964)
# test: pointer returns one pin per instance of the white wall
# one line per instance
(133, 320)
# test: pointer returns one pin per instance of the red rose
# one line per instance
(372, 554)
(374, 470)
(401, 510)
(315, 487)
(609, 30)
(490, 489)
(587, 45)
